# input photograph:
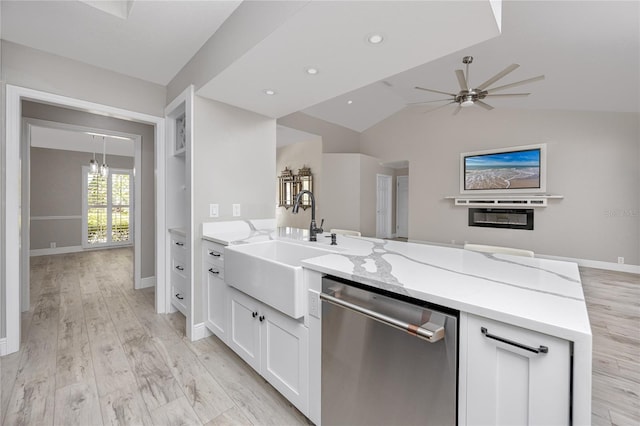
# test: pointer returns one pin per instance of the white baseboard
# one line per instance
(200, 331)
(597, 264)
(3, 346)
(147, 282)
(57, 250)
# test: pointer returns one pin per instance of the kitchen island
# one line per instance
(531, 295)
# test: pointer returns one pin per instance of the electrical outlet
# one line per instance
(52, 245)
(214, 210)
(620, 259)
(236, 209)
(314, 303)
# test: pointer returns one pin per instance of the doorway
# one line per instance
(13, 256)
(383, 205)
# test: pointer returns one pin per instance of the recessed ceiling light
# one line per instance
(269, 92)
(375, 38)
(312, 71)
(349, 102)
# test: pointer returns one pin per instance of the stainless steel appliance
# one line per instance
(387, 359)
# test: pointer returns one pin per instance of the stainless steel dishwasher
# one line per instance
(386, 359)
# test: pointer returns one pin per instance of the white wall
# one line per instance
(35, 69)
(234, 159)
(296, 156)
(593, 160)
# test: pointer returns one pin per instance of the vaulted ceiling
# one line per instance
(588, 50)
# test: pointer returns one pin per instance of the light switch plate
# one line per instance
(314, 303)
(236, 209)
(214, 210)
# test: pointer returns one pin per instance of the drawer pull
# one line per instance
(213, 271)
(178, 243)
(179, 268)
(179, 297)
(541, 349)
(214, 253)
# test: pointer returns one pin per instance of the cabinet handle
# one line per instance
(254, 314)
(541, 349)
(179, 268)
(179, 297)
(213, 271)
(214, 253)
(178, 243)
(261, 318)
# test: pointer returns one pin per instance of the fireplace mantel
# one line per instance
(497, 201)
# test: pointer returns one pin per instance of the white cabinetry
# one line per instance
(216, 302)
(515, 376)
(275, 345)
(179, 275)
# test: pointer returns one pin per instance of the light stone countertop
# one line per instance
(539, 294)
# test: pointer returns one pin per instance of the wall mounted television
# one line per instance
(508, 171)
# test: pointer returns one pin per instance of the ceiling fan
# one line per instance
(468, 96)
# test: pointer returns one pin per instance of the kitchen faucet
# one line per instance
(313, 229)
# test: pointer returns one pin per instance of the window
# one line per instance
(107, 208)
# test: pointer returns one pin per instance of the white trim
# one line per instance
(3, 346)
(72, 217)
(137, 214)
(69, 249)
(11, 162)
(147, 282)
(200, 331)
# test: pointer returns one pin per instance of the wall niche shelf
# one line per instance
(502, 201)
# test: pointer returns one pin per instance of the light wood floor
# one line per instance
(94, 352)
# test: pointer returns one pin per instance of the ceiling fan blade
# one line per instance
(484, 105)
(517, 83)
(428, 102)
(436, 91)
(457, 110)
(462, 81)
(505, 95)
(498, 76)
(441, 106)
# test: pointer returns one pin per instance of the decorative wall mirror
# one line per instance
(289, 185)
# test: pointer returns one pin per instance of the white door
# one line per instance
(244, 328)
(216, 289)
(383, 206)
(402, 207)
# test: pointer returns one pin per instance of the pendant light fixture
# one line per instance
(104, 168)
(93, 164)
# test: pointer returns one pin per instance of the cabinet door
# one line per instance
(216, 298)
(510, 385)
(244, 329)
(285, 356)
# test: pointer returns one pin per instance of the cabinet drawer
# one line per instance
(179, 267)
(179, 299)
(178, 243)
(213, 253)
(214, 270)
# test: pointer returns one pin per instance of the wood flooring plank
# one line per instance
(231, 417)
(203, 392)
(78, 404)
(8, 373)
(32, 403)
(124, 407)
(155, 381)
(175, 413)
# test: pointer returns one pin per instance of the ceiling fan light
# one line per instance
(467, 102)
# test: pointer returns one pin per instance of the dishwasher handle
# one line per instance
(429, 331)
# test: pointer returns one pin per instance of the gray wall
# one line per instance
(56, 190)
(335, 138)
(147, 175)
(593, 162)
(234, 159)
(296, 156)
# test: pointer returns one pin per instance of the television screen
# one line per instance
(515, 170)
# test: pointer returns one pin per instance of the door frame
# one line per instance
(11, 255)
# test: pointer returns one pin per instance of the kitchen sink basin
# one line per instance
(271, 272)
